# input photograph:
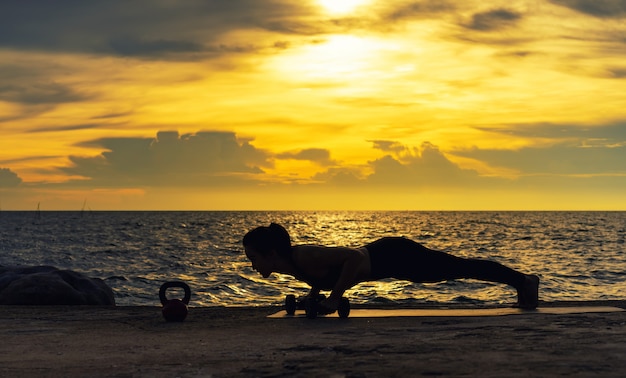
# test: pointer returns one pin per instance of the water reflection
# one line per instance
(579, 255)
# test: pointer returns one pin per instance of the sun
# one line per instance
(341, 58)
(341, 6)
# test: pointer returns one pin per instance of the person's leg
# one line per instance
(527, 286)
(405, 259)
(446, 267)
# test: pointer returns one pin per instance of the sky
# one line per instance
(312, 105)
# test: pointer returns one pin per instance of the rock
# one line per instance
(47, 285)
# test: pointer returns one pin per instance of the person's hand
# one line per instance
(328, 306)
(314, 293)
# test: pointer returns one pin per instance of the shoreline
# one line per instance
(135, 341)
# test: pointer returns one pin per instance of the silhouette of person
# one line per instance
(338, 269)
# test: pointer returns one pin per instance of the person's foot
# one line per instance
(528, 294)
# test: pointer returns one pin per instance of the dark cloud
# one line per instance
(142, 28)
(207, 159)
(9, 179)
(613, 132)
(494, 20)
(204, 158)
(406, 168)
(419, 9)
(618, 72)
(163, 48)
(64, 128)
(133, 46)
(111, 115)
(596, 8)
(340, 176)
(565, 150)
(30, 158)
(287, 26)
(195, 29)
(557, 160)
(17, 72)
(561, 166)
(497, 27)
(316, 155)
(29, 83)
(388, 146)
(32, 111)
(187, 30)
(428, 167)
(39, 93)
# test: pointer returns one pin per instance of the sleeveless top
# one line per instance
(323, 283)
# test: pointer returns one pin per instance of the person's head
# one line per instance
(265, 245)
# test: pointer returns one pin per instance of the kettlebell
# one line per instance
(174, 310)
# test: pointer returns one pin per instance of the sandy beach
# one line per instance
(92, 341)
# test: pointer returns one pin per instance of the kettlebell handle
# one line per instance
(169, 284)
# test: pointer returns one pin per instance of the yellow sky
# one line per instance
(360, 104)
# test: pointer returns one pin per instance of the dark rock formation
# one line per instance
(47, 285)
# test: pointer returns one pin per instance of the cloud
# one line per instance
(588, 163)
(340, 176)
(561, 150)
(133, 46)
(423, 167)
(557, 160)
(30, 84)
(403, 167)
(196, 29)
(596, 8)
(494, 20)
(143, 28)
(617, 72)
(39, 93)
(388, 146)
(205, 158)
(9, 179)
(64, 128)
(211, 158)
(419, 9)
(316, 155)
(381, 17)
(611, 133)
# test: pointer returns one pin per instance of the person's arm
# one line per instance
(314, 292)
(354, 265)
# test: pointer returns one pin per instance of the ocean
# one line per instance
(578, 255)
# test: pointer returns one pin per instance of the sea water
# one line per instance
(578, 255)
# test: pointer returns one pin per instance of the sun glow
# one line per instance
(341, 58)
(341, 6)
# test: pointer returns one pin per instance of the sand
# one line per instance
(82, 341)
